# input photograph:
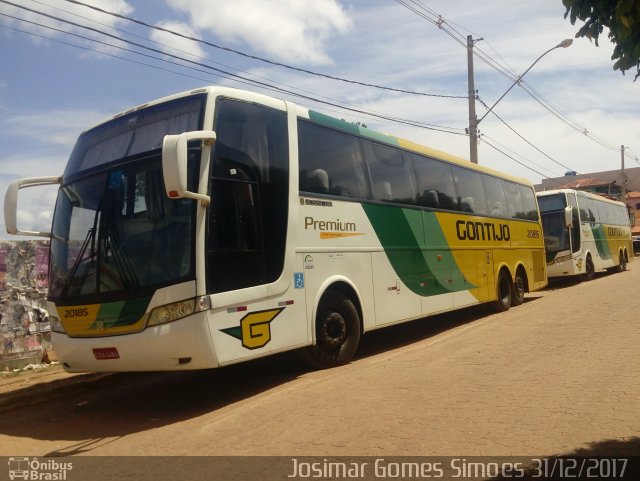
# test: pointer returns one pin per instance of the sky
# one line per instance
(572, 112)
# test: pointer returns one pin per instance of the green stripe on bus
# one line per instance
(602, 244)
(401, 233)
(352, 128)
(333, 122)
(122, 313)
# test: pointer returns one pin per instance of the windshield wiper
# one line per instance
(121, 261)
(90, 237)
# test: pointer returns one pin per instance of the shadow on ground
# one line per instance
(97, 409)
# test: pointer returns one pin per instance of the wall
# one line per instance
(24, 326)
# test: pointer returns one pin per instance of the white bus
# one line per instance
(219, 225)
(584, 232)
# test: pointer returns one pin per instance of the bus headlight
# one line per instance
(56, 325)
(177, 310)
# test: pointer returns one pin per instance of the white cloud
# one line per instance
(287, 30)
(68, 12)
(174, 44)
(50, 136)
(57, 127)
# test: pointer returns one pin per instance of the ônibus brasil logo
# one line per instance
(35, 470)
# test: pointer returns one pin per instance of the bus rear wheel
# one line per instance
(504, 288)
(337, 331)
(519, 288)
(623, 263)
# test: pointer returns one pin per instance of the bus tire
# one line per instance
(623, 262)
(519, 288)
(338, 331)
(590, 270)
(503, 292)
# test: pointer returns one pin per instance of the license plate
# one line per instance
(106, 353)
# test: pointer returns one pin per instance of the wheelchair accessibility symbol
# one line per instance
(298, 280)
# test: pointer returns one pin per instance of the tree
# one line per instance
(621, 17)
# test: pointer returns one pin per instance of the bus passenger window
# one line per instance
(392, 175)
(434, 177)
(470, 190)
(318, 181)
(330, 162)
(494, 190)
(529, 201)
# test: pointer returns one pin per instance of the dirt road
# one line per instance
(559, 374)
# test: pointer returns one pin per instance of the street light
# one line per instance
(473, 120)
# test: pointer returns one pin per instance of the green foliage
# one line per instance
(621, 17)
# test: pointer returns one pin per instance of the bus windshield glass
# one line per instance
(115, 232)
(556, 233)
(134, 133)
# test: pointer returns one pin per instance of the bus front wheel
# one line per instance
(504, 288)
(590, 270)
(337, 331)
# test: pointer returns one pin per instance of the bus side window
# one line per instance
(529, 201)
(435, 183)
(494, 190)
(584, 210)
(516, 204)
(470, 190)
(392, 176)
(330, 162)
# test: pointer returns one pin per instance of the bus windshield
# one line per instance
(115, 232)
(556, 234)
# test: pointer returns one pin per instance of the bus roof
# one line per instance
(584, 193)
(326, 120)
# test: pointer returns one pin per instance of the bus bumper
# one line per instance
(568, 267)
(180, 345)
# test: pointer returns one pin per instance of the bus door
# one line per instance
(574, 237)
(246, 243)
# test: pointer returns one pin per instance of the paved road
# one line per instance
(559, 374)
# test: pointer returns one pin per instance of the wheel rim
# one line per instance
(333, 330)
(504, 289)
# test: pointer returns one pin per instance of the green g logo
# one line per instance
(255, 328)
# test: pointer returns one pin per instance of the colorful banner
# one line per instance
(42, 266)
(3, 269)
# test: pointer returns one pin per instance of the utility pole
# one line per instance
(473, 119)
(624, 175)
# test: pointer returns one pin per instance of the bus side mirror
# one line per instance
(568, 216)
(11, 203)
(174, 163)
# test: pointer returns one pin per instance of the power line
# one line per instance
(261, 59)
(555, 174)
(515, 160)
(229, 75)
(519, 135)
(184, 52)
(433, 18)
